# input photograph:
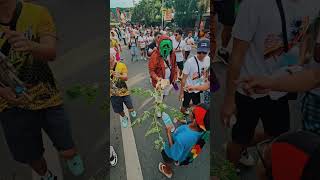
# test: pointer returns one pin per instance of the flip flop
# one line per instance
(162, 171)
(75, 165)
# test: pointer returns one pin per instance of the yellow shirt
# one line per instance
(35, 22)
(119, 87)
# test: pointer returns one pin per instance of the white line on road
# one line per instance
(52, 157)
(133, 168)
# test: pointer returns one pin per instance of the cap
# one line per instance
(202, 115)
(203, 46)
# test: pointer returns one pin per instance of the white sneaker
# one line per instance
(246, 159)
(113, 157)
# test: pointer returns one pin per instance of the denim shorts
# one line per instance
(22, 130)
(118, 101)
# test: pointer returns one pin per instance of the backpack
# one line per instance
(196, 149)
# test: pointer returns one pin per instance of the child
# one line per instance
(119, 90)
(184, 138)
(133, 47)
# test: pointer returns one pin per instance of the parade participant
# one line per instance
(183, 139)
(119, 93)
(142, 45)
(178, 48)
(189, 44)
(123, 35)
(29, 42)
(193, 75)
(133, 47)
(259, 48)
(162, 64)
(115, 44)
(153, 46)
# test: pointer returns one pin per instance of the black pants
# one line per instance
(274, 115)
(124, 41)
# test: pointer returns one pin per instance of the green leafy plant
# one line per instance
(222, 168)
(158, 106)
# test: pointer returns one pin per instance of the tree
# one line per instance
(147, 12)
(185, 13)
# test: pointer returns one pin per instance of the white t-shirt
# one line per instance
(179, 46)
(259, 23)
(189, 42)
(191, 69)
(141, 41)
(149, 40)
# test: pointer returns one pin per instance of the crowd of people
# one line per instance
(171, 64)
(274, 56)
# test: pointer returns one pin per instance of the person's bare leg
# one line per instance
(226, 35)
(234, 152)
(39, 166)
(122, 114)
(183, 110)
(261, 171)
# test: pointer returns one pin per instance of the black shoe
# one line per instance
(223, 56)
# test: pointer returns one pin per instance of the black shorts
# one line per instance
(274, 115)
(166, 158)
(195, 97)
(118, 101)
(180, 65)
(22, 130)
(225, 11)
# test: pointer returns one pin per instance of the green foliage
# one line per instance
(155, 126)
(147, 12)
(90, 93)
(222, 168)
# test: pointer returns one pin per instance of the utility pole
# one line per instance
(162, 24)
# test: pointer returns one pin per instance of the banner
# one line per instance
(168, 15)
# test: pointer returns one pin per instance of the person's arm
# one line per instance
(203, 87)
(244, 31)
(185, 72)
(152, 67)
(168, 130)
(297, 82)
(45, 49)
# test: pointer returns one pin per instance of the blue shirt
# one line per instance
(184, 139)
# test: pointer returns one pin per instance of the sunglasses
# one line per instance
(205, 53)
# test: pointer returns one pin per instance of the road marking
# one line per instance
(52, 157)
(135, 79)
(133, 168)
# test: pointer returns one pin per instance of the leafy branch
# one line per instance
(222, 168)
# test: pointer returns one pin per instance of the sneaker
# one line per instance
(50, 177)
(246, 159)
(124, 121)
(159, 115)
(133, 114)
(223, 55)
(75, 165)
(113, 157)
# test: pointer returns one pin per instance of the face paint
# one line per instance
(165, 48)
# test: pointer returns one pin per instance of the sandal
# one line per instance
(161, 165)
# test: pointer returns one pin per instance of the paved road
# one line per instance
(148, 157)
(80, 60)
(221, 135)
